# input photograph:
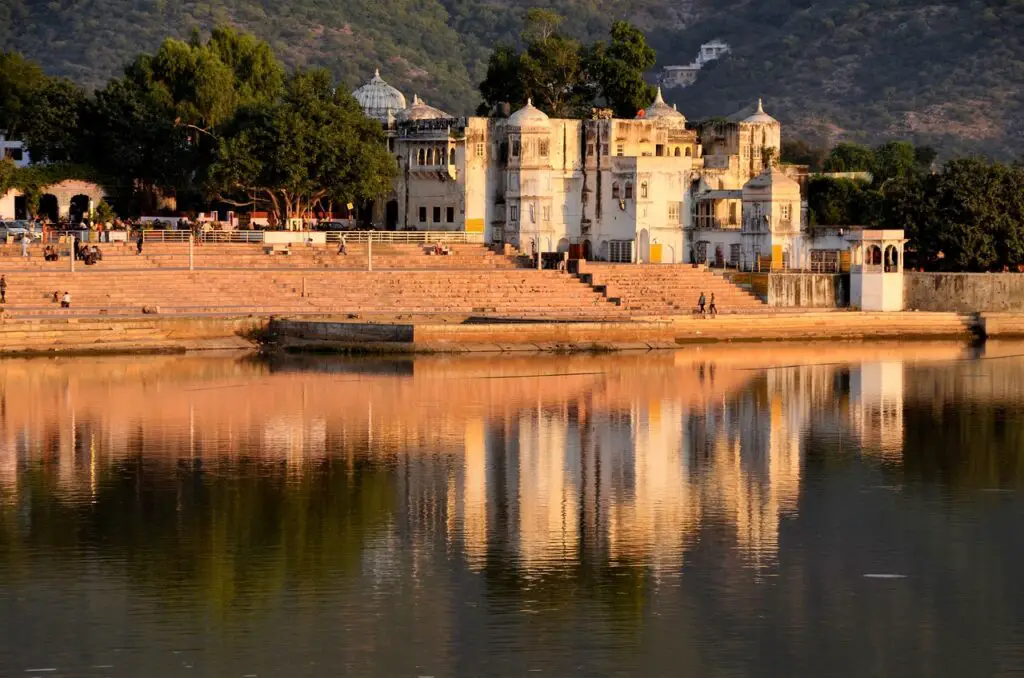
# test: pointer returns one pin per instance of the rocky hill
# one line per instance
(948, 74)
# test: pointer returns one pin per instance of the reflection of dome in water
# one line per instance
(420, 110)
(379, 100)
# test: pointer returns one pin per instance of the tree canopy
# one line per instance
(313, 145)
(566, 78)
(199, 119)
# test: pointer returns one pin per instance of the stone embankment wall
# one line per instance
(963, 292)
(808, 290)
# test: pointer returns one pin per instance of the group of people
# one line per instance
(88, 254)
(64, 299)
(703, 302)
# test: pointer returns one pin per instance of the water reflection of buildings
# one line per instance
(876, 408)
(552, 461)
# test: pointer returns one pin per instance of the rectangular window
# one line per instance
(479, 150)
(620, 150)
(423, 215)
(659, 150)
(449, 214)
(437, 215)
(734, 255)
(544, 148)
(590, 149)
(513, 213)
(604, 149)
(786, 212)
(673, 213)
(547, 213)
(620, 251)
(643, 189)
(515, 148)
(15, 154)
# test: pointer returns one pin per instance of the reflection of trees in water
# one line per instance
(965, 444)
(216, 531)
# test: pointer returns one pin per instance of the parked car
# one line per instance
(13, 231)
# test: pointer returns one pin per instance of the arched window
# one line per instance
(430, 156)
(892, 259)
(451, 157)
(643, 189)
(615, 190)
(677, 153)
(629, 190)
(687, 152)
(874, 256)
(421, 157)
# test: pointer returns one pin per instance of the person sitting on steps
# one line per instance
(65, 301)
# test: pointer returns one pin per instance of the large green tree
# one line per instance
(565, 78)
(20, 80)
(53, 132)
(617, 70)
(312, 145)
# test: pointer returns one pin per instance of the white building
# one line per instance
(685, 75)
(14, 151)
(648, 189)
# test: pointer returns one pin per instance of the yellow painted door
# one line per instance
(656, 254)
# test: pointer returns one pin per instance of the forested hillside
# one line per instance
(951, 74)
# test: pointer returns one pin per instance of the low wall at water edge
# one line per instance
(807, 290)
(963, 292)
(429, 337)
(127, 334)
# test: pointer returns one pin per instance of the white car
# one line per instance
(16, 230)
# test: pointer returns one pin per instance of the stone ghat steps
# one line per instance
(668, 289)
(165, 255)
(512, 292)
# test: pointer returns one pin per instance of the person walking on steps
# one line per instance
(138, 244)
(712, 309)
(701, 303)
(3, 289)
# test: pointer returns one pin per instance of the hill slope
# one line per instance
(949, 74)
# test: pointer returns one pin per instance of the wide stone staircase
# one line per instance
(406, 279)
(666, 289)
(242, 279)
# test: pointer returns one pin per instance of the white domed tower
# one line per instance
(759, 133)
(528, 182)
(380, 100)
(420, 110)
(660, 113)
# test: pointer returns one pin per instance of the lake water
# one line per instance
(843, 510)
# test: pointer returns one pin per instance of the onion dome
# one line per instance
(528, 116)
(420, 110)
(379, 100)
(760, 117)
(660, 110)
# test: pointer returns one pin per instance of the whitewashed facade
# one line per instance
(649, 189)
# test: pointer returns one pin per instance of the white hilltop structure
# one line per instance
(650, 189)
(14, 151)
(685, 75)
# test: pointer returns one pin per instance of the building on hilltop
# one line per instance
(648, 189)
(14, 151)
(685, 75)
